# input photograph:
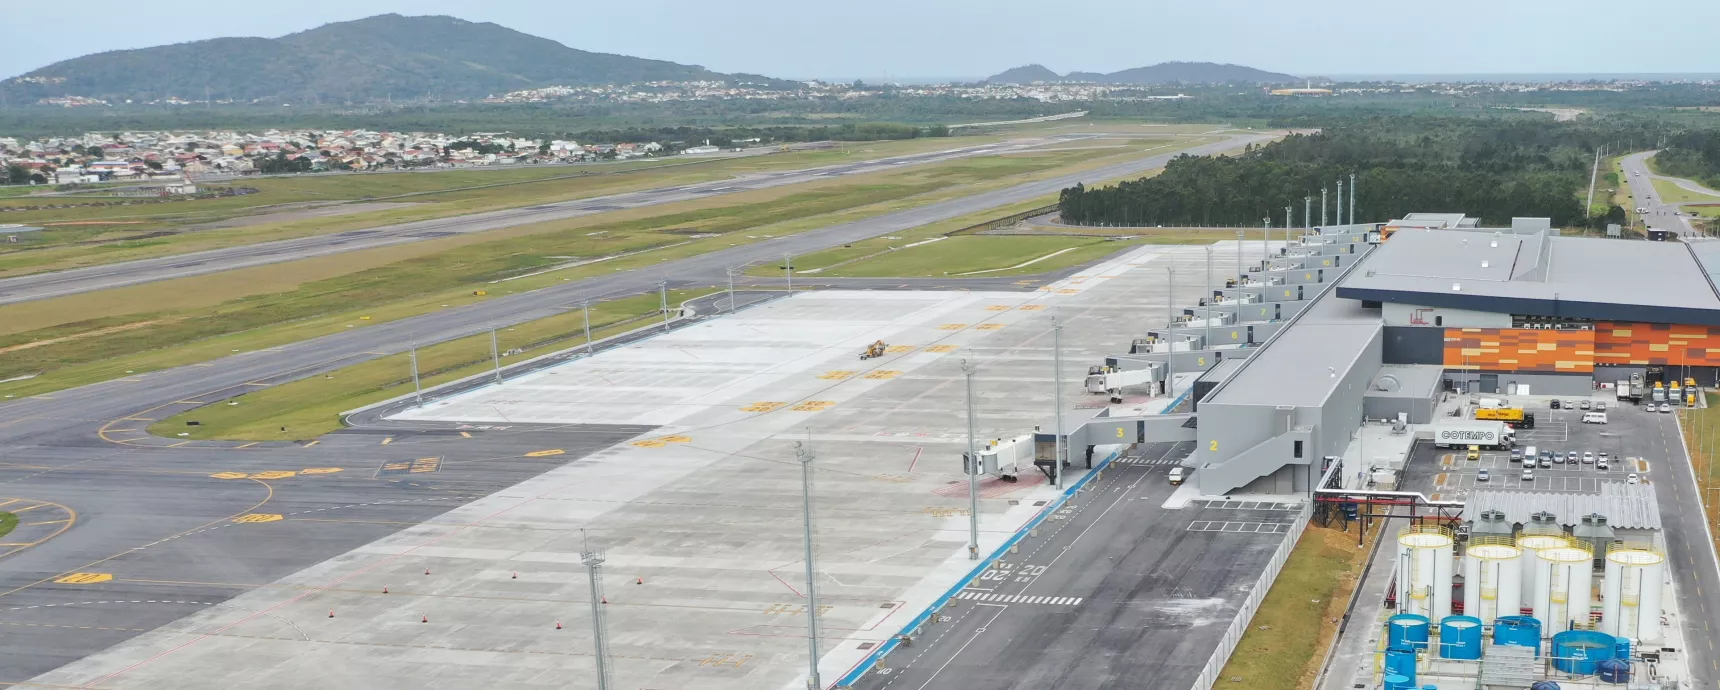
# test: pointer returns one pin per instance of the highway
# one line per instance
(1657, 212)
(1116, 592)
(73, 281)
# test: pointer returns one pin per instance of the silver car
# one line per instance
(1665, 407)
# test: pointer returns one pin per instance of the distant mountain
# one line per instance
(1162, 73)
(1026, 74)
(386, 56)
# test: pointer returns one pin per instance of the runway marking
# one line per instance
(46, 522)
(387, 440)
(952, 326)
(1018, 598)
(255, 383)
(230, 475)
(814, 406)
(661, 441)
(882, 374)
(836, 375)
(82, 579)
(765, 406)
(1030, 307)
(319, 470)
(27, 508)
(998, 307)
(120, 430)
(941, 348)
(189, 402)
(465, 434)
(248, 445)
(258, 517)
(176, 445)
(988, 327)
(274, 474)
(312, 443)
(77, 627)
(545, 453)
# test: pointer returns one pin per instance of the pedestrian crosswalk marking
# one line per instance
(1133, 460)
(1016, 598)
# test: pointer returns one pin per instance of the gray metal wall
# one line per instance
(1548, 384)
(1420, 410)
(1414, 345)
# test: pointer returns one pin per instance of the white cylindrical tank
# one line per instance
(1537, 590)
(1636, 575)
(1492, 577)
(1425, 553)
(1569, 587)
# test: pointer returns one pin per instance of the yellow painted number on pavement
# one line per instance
(941, 348)
(83, 578)
(814, 406)
(319, 470)
(762, 406)
(257, 517)
(952, 326)
(836, 375)
(899, 348)
(1213, 446)
(229, 475)
(545, 453)
(989, 326)
(883, 374)
(274, 474)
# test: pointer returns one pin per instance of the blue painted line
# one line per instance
(853, 676)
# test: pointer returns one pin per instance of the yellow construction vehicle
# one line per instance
(876, 349)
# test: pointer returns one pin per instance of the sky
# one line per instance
(903, 39)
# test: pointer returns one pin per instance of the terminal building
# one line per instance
(1375, 321)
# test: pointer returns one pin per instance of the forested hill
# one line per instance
(381, 57)
(1695, 155)
(1492, 168)
(1162, 73)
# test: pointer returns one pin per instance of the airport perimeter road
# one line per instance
(1657, 212)
(50, 418)
(46, 285)
(1115, 592)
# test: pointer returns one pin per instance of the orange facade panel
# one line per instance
(1657, 343)
(1521, 349)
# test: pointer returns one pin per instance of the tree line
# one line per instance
(1494, 168)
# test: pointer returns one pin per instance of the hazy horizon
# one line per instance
(916, 41)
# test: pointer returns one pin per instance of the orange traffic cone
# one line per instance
(606, 600)
(385, 589)
(638, 580)
(426, 571)
(558, 625)
(331, 613)
(516, 575)
(425, 619)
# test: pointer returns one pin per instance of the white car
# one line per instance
(1632, 479)
(1528, 475)
(1665, 407)
(1588, 458)
(1483, 475)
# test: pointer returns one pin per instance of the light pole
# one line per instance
(1307, 211)
(1061, 448)
(496, 355)
(804, 452)
(788, 270)
(599, 624)
(1207, 298)
(417, 389)
(663, 302)
(731, 271)
(586, 307)
(1289, 221)
(972, 467)
(1170, 331)
(1322, 207)
(1352, 198)
(1340, 204)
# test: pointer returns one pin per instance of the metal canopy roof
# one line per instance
(1625, 506)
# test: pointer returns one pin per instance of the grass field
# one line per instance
(127, 231)
(1287, 640)
(8, 522)
(1672, 193)
(310, 407)
(105, 335)
(1701, 428)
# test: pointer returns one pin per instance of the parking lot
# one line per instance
(1560, 431)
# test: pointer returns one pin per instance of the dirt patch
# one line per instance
(308, 210)
(86, 334)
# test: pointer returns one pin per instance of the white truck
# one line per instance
(1623, 390)
(1462, 434)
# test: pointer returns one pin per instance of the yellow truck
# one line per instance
(1513, 416)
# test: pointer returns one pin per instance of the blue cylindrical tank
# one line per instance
(1396, 682)
(1615, 671)
(1544, 685)
(1400, 661)
(1579, 652)
(1522, 631)
(1407, 630)
(1622, 651)
(1460, 637)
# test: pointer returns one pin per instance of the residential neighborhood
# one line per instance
(118, 156)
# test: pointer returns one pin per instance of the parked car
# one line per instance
(1546, 464)
(1570, 404)
(1665, 407)
(1601, 457)
(1516, 455)
(1528, 474)
(1586, 405)
(1555, 404)
(1177, 475)
(1483, 476)
(1588, 458)
(1600, 405)
(1594, 417)
(1601, 465)
(1632, 479)
(1474, 453)
(1572, 457)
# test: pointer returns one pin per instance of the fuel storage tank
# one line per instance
(1631, 593)
(1424, 570)
(1492, 577)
